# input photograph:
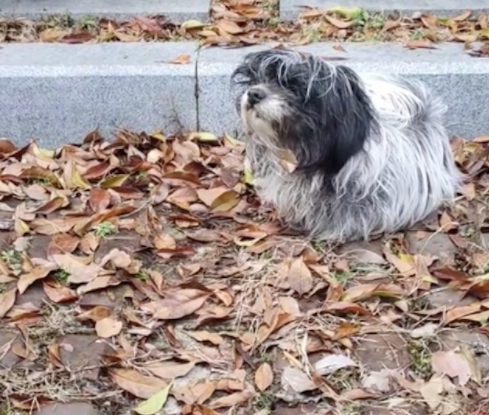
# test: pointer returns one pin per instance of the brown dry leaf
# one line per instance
(169, 370)
(420, 44)
(429, 20)
(225, 201)
(264, 377)
(208, 196)
(404, 263)
(453, 365)
(79, 271)
(346, 307)
(164, 241)
(99, 199)
(206, 336)
(52, 35)
(231, 400)
(7, 301)
(53, 226)
(52, 206)
(37, 273)
(462, 16)
(299, 277)
(108, 327)
(297, 380)
(183, 59)
(345, 330)
(179, 304)
(58, 293)
(447, 223)
(458, 312)
(96, 313)
(137, 384)
(229, 27)
(340, 24)
(62, 243)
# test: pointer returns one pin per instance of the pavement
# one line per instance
(57, 93)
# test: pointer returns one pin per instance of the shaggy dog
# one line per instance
(370, 153)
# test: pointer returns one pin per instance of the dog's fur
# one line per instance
(372, 153)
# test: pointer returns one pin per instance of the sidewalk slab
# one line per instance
(57, 93)
(176, 11)
(291, 9)
(461, 80)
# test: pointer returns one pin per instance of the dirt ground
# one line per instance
(142, 275)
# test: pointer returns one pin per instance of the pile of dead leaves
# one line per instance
(249, 22)
(156, 250)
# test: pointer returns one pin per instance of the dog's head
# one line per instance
(300, 102)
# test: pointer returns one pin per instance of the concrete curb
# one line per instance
(291, 9)
(176, 11)
(57, 93)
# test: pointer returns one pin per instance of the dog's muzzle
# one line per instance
(254, 96)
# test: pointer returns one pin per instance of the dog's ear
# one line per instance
(338, 118)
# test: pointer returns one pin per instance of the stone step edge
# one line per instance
(57, 93)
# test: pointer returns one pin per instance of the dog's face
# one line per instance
(318, 111)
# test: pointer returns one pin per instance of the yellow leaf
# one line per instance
(20, 227)
(154, 404)
(347, 12)
(159, 136)
(485, 34)
(232, 141)
(78, 181)
(114, 181)
(204, 137)
(248, 174)
(192, 24)
(228, 200)
(42, 153)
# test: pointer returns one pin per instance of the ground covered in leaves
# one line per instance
(238, 23)
(142, 276)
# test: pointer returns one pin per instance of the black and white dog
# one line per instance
(371, 153)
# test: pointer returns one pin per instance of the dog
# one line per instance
(369, 153)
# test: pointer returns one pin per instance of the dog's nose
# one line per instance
(255, 95)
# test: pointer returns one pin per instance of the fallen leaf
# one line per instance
(99, 199)
(137, 384)
(192, 24)
(180, 304)
(203, 336)
(79, 272)
(458, 312)
(169, 370)
(428, 330)
(183, 59)
(154, 404)
(58, 292)
(7, 300)
(297, 380)
(37, 273)
(263, 377)
(340, 24)
(204, 137)
(332, 363)
(229, 27)
(299, 277)
(226, 201)
(108, 327)
(420, 44)
(462, 16)
(231, 400)
(453, 365)
(431, 392)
